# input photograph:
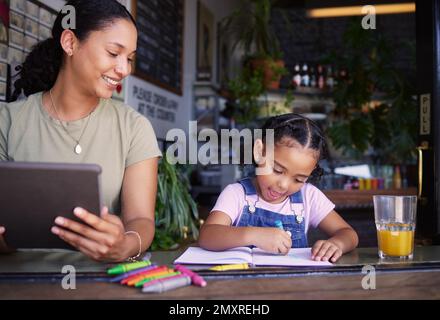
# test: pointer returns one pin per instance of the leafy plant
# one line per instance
(176, 212)
(251, 98)
(374, 103)
(249, 25)
(246, 89)
(250, 28)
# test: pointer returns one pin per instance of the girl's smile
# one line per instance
(273, 195)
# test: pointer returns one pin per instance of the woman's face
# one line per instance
(105, 58)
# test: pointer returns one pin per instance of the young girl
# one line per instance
(69, 116)
(246, 212)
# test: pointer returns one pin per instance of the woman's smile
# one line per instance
(112, 83)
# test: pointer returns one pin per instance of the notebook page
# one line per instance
(296, 257)
(197, 255)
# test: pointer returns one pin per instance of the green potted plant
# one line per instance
(375, 109)
(250, 28)
(250, 98)
(176, 212)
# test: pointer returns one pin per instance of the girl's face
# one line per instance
(105, 58)
(291, 168)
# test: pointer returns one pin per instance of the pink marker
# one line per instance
(195, 278)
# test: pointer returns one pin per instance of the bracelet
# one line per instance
(134, 258)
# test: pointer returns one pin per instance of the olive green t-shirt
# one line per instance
(115, 137)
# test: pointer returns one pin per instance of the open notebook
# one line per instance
(255, 256)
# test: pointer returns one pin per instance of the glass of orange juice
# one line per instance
(395, 218)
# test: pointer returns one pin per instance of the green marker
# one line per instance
(122, 268)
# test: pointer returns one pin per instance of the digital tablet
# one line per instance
(33, 194)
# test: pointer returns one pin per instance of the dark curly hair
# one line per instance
(293, 128)
(41, 67)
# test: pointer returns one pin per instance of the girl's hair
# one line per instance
(41, 67)
(292, 129)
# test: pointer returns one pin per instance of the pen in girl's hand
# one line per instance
(279, 225)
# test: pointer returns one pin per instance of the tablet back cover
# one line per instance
(32, 195)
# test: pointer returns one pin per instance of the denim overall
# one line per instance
(259, 217)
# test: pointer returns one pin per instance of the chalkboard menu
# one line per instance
(160, 42)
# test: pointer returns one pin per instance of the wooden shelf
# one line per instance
(362, 198)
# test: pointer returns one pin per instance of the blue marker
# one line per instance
(279, 224)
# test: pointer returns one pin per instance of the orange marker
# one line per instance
(139, 275)
(147, 274)
(158, 273)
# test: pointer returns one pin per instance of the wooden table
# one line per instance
(419, 279)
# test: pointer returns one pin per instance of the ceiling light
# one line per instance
(357, 10)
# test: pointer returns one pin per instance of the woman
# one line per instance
(68, 116)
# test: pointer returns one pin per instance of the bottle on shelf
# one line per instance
(335, 77)
(305, 78)
(296, 80)
(330, 79)
(404, 175)
(321, 80)
(355, 184)
(388, 172)
(313, 82)
(361, 184)
(380, 183)
(348, 185)
(397, 178)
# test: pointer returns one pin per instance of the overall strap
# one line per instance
(249, 190)
(248, 186)
(296, 197)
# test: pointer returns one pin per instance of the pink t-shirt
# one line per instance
(316, 205)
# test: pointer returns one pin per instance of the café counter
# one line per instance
(352, 199)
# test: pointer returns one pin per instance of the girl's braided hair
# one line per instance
(293, 128)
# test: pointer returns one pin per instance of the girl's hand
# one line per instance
(272, 240)
(325, 250)
(101, 238)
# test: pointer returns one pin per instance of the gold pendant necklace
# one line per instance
(78, 148)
